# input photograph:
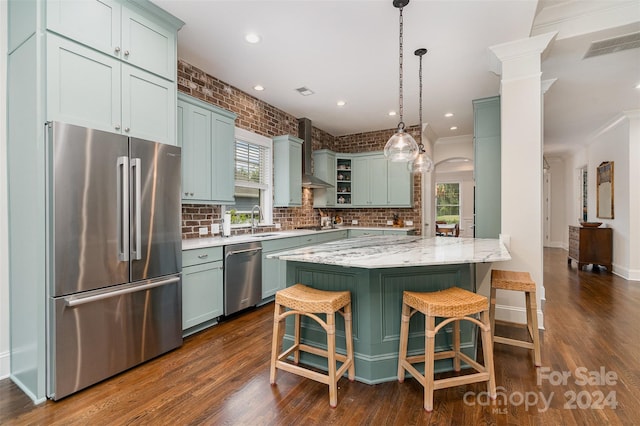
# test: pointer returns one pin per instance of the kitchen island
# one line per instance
(376, 270)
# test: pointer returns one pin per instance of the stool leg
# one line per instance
(456, 345)
(331, 359)
(276, 341)
(348, 335)
(532, 323)
(487, 350)
(492, 311)
(296, 338)
(429, 361)
(404, 337)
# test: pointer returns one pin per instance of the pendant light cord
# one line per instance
(420, 145)
(401, 124)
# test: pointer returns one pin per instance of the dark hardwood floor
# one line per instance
(221, 376)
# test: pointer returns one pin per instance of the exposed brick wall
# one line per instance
(264, 119)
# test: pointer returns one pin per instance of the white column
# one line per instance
(519, 64)
(634, 194)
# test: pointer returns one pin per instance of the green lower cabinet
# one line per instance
(376, 301)
(202, 290)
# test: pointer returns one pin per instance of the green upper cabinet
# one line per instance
(143, 38)
(369, 181)
(399, 185)
(287, 171)
(207, 134)
(361, 180)
(486, 145)
(90, 89)
(324, 167)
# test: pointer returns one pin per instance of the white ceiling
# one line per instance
(348, 50)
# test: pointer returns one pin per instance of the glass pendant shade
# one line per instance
(401, 147)
(422, 164)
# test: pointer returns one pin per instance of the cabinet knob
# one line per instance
(126, 129)
(191, 194)
(117, 126)
(117, 49)
(186, 194)
(126, 53)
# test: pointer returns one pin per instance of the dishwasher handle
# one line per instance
(250, 250)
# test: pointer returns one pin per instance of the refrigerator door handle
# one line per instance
(122, 207)
(76, 301)
(136, 253)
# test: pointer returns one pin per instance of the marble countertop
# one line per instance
(391, 251)
(217, 241)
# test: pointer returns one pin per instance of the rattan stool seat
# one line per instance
(311, 300)
(452, 302)
(453, 305)
(300, 300)
(517, 281)
(512, 280)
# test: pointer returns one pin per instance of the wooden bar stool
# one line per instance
(517, 281)
(302, 300)
(454, 305)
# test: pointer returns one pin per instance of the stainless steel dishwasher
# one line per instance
(242, 276)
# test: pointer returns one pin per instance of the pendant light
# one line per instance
(401, 146)
(422, 163)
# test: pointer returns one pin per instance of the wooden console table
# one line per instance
(591, 246)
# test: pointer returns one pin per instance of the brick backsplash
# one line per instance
(264, 119)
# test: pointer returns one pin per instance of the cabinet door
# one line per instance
(148, 45)
(486, 145)
(222, 160)
(148, 106)
(377, 167)
(360, 182)
(273, 275)
(400, 185)
(324, 167)
(196, 153)
(202, 298)
(83, 86)
(287, 171)
(95, 23)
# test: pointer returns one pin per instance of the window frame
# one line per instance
(460, 197)
(266, 200)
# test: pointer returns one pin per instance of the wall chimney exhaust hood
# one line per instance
(304, 133)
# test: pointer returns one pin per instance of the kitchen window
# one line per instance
(253, 178)
(448, 202)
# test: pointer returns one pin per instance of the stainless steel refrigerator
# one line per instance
(115, 254)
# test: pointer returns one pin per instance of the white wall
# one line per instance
(613, 145)
(557, 195)
(4, 240)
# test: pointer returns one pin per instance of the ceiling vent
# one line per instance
(612, 45)
(305, 91)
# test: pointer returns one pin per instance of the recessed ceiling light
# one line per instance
(341, 103)
(638, 86)
(258, 87)
(392, 113)
(453, 128)
(449, 114)
(252, 38)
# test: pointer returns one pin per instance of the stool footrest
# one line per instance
(513, 342)
(461, 380)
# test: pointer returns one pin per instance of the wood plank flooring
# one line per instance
(221, 376)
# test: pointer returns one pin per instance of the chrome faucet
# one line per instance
(254, 224)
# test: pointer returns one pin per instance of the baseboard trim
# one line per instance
(517, 315)
(5, 365)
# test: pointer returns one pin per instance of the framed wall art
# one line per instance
(604, 189)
